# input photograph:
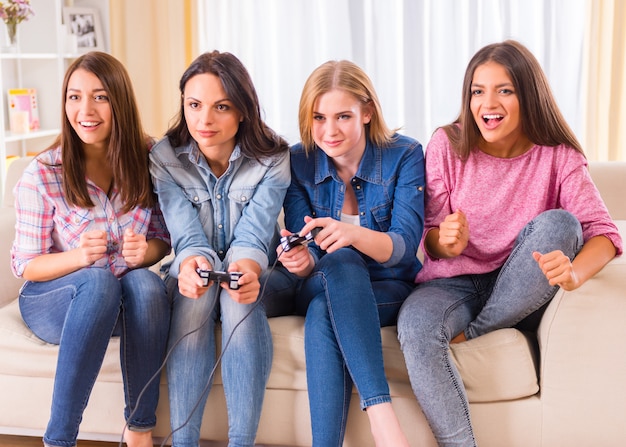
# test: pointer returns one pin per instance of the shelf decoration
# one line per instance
(14, 12)
(23, 110)
(84, 24)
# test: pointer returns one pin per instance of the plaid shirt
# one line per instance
(47, 223)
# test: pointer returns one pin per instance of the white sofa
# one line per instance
(564, 386)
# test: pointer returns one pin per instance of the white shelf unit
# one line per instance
(38, 60)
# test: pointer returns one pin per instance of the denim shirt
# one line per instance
(389, 188)
(223, 219)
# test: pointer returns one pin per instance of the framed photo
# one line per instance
(84, 23)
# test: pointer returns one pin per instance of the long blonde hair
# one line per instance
(347, 76)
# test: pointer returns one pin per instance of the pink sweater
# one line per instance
(501, 195)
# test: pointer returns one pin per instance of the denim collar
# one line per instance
(196, 157)
(370, 168)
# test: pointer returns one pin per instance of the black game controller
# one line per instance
(293, 240)
(231, 278)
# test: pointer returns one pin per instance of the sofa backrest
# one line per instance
(610, 179)
(14, 172)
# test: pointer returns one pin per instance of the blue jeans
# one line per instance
(79, 312)
(246, 363)
(438, 310)
(343, 346)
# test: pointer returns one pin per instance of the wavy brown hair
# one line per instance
(541, 119)
(347, 76)
(255, 138)
(128, 144)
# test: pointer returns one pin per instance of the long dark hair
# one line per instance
(128, 144)
(541, 119)
(254, 137)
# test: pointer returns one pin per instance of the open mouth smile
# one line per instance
(494, 118)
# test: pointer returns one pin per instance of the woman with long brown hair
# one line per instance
(512, 215)
(87, 227)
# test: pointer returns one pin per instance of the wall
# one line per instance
(154, 39)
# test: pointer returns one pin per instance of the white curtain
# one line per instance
(415, 51)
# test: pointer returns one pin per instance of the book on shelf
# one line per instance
(23, 110)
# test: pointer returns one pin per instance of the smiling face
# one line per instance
(495, 107)
(339, 121)
(212, 119)
(88, 109)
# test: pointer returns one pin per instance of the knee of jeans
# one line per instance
(558, 219)
(103, 281)
(560, 224)
(246, 316)
(143, 284)
(414, 323)
(341, 263)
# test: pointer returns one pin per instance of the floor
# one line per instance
(32, 441)
(28, 441)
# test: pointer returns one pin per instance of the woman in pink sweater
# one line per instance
(512, 215)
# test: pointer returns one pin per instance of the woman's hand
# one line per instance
(558, 269)
(92, 246)
(189, 282)
(454, 233)
(298, 260)
(593, 256)
(450, 239)
(249, 285)
(134, 248)
(333, 235)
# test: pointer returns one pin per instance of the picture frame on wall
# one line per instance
(85, 25)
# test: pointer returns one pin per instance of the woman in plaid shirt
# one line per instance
(87, 227)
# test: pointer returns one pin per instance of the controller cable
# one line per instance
(217, 360)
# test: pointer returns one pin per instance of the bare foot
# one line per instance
(385, 426)
(138, 438)
(459, 338)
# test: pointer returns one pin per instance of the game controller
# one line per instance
(293, 240)
(231, 278)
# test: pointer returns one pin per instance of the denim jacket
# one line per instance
(224, 219)
(389, 188)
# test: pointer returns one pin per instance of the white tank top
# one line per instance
(351, 219)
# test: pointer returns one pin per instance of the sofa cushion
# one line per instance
(288, 365)
(500, 365)
(497, 366)
(24, 354)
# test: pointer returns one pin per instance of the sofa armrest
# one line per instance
(9, 284)
(583, 363)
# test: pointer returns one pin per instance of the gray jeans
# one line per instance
(440, 309)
